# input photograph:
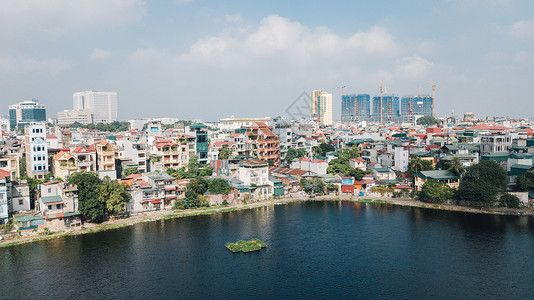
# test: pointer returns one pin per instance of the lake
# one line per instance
(314, 250)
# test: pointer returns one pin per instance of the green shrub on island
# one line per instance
(246, 246)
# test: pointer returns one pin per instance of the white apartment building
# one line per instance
(495, 143)
(103, 105)
(231, 124)
(36, 151)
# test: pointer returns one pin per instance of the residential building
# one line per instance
(36, 150)
(315, 166)
(105, 153)
(358, 163)
(267, 143)
(24, 113)
(19, 197)
(402, 157)
(355, 108)
(102, 105)
(201, 132)
(439, 175)
(4, 196)
(63, 165)
(321, 107)
(491, 143)
(412, 106)
(9, 162)
(231, 124)
(255, 174)
(138, 153)
(85, 158)
(390, 109)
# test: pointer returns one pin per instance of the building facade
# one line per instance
(390, 109)
(355, 108)
(416, 106)
(102, 105)
(321, 107)
(36, 151)
(24, 113)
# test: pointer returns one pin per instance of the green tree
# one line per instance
(224, 152)
(177, 173)
(482, 183)
(456, 167)
(338, 166)
(219, 186)
(526, 181)
(206, 170)
(325, 148)
(193, 190)
(312, 185)
(349, 152)
(293, 153)
(89, 204)
(435, 192)
(130, 170)
(427, 121)
(509, 200)
(443, 164)
(193, 166)
(416, 164)
(113, 195)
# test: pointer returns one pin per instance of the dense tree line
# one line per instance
(109, 127)
(97, 198)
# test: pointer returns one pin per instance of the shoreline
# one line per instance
(172, 214)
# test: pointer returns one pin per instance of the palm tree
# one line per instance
(456, 167)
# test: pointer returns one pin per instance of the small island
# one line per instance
(246, 246)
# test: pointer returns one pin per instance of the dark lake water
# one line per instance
(314, 250)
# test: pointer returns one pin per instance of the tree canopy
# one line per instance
(525, 182)
(89, 204)
(435, 192)
(293, 153)
(482, 183)
(349, 152)
(322, 149)
(110, 127)
(416, 164)
(224, 152)
(312, 185)
(219, 186)
(130, 170)
(427, 121)
(113, 195)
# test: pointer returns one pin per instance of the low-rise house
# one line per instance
(316, 166)
(255, 174)
(439, 175)
(19, 197)
(4, 193)
(384, 174)
(358, 163)
(59, 206)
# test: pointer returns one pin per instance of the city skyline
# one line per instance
(248, 59)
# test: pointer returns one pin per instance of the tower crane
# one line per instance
(381, 85)
(433, 98)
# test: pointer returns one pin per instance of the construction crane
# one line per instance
(433, 98)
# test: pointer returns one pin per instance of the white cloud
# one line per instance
(414, 67)
(60, 16)
(522, 29)
(27, 65)
(100, 54)
(285, 39)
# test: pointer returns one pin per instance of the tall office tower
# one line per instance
(321, 107)
(355, 108)
(103, 105)
(416, 106)
(390, 109)
(36, 150)
(24, 113)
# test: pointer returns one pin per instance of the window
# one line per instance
(21, 201)
(50, 207)
(58, 206)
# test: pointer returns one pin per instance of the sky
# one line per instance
(195, 59)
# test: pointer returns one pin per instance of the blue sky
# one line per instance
(213, 59)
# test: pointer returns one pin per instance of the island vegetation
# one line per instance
(246, 246)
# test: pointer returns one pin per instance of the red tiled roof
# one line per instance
(84, 149)
(220, 144)
(318, 161)
(51, 137)
(4, 174)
